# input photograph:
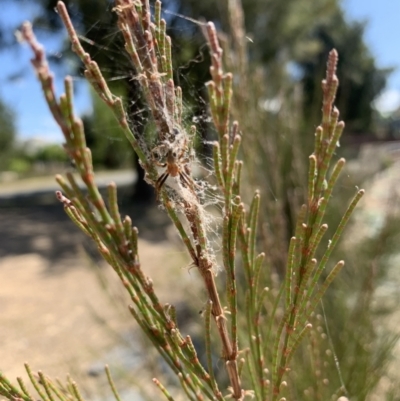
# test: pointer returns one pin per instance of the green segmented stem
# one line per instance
(77, 219)
(167, 395)
(324, 162)
(297, 342)
(112, 384)
(43, 382)
(328, 192)
(300, 220)
(302, 297)
(238, 177)
(187, 354)
(315, 220)
(227, 98)
(9, 390)
(289, 272)
(35, 383)
(311, 178)
(60, 390)
(260, 303)
(157, 18)
(276, 348)
(134, 240)
(168, 55)
(178, 104)
(172, 314)
(318, 296)
(75, 391)
(88, 214)
(225, 157)
(161, 43)
(185, 238)
(184, 384)
(238, 208)
(207, 324)
(170, 99)
(170, 360)
(23, 388)
(340, 228)
(266, 349)
(131, 48)
(318, 141)
(229, 179)
(258, 262)
(315, 240)
(217, 164)
(253, 218)
(114, 212)
(127, 226)
(334, 118)
(332, 245)
(244, 248)
(120, 114)
(253, 367)
(225, 254)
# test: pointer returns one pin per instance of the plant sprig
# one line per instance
(302, 288)
(267, 362)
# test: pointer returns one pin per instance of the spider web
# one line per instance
(208, 199)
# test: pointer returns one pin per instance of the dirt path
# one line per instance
(52, 307)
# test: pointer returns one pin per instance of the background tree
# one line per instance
(283, 37)
(362, 80)
(110, 148)
(7, 135)
(97, 24)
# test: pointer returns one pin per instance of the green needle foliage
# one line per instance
(256, 343)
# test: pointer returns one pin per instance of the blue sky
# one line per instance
(382, 36)
(34, 120)
(23, 94)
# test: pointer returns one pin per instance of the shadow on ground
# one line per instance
(37, 223)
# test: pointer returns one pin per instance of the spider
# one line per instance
(175, 162)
